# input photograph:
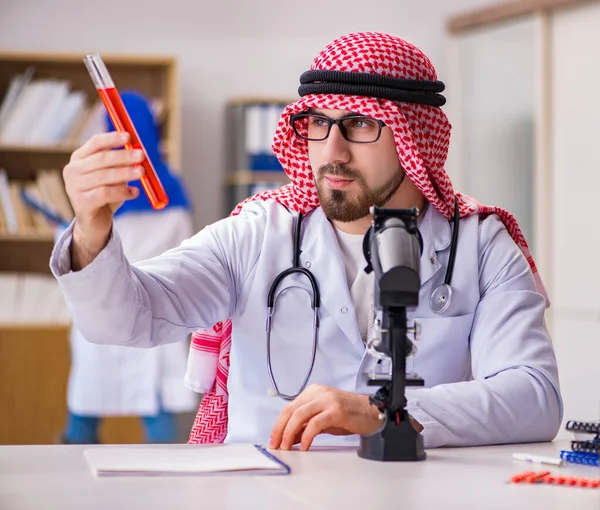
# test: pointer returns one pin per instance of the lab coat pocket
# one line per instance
(443, 354)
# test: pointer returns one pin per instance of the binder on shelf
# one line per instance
(252, 165)
(252, 127)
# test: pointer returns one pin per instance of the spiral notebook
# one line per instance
(185, 461)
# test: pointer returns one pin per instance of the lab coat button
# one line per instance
(307, 264)
(344, 309)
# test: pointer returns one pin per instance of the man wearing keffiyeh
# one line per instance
(367, 130)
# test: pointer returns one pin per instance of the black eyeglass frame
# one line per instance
(330, 123)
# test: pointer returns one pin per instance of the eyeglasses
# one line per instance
(354, 128)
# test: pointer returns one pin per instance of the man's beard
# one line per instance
(342, 205)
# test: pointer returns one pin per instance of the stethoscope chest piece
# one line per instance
(440, 298)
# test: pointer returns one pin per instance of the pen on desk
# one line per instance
(536, 459)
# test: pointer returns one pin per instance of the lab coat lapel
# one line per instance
(321, 253)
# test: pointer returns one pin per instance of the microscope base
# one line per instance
(395, 443)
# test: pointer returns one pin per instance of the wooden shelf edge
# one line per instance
(58, 326)
(46, 149)
(77, 58)
(40, 149)
(505, 11)
(29, 238)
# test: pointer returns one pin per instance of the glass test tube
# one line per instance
(122, 122)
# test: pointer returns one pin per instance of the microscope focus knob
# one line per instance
(415, 331)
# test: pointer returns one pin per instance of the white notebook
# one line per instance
(184, 460)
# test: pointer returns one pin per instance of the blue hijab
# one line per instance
(147, 129)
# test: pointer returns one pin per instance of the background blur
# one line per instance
(524, 138)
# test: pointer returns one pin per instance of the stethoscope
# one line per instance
(439, 300)
(315, 303)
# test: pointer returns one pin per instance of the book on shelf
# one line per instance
(35, 207)
(49, 112)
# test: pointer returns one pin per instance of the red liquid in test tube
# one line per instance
(116, 110)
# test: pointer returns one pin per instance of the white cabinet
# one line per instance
(527, 137)
(496, 73)
(575, 156)
(578, 354)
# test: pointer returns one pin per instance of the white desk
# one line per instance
(57, 477)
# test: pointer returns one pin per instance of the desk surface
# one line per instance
(44, 477)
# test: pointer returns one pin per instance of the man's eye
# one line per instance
(318, 122)
(361, 123)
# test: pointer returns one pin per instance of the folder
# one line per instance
(188, 460)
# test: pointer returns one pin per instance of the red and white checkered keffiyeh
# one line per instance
(422, 135)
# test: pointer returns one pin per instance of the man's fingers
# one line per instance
(109, 177)
(280, 424)
(317, 425)
(110, 159)
(304, 397)
(297, 420)
(100, 142)
(118, 193)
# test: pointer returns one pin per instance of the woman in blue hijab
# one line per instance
(123, 381)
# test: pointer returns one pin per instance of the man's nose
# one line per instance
(337, 148)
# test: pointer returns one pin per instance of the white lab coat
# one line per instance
(488, 363)
(108, 380)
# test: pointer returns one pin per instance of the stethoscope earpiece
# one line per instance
(271, 392)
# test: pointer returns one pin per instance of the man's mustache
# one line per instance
(341, 171)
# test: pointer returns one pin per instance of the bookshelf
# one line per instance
(251, 165)
(34, 343)
(155, 76)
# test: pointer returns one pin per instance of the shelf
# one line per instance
(43, 149)
(38, 58)
(246, 177)
(29, 238)
(34, 327)
(25, 253)
(21, 162)
(155, 76)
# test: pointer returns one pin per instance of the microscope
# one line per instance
(392, 248)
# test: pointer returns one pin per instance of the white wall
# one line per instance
(496, 72)
(225, 48)
(503, 87)
(575, 161)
